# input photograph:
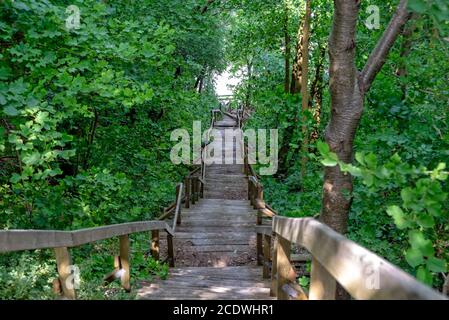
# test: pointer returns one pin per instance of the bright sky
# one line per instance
(222, 83)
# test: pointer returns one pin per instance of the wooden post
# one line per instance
(178, 202)
(250, 191)
(187, 185)
(274, 266)
(155, 244)
(124, 262)
(197, 188)
(201, 190)
(259, 240)
(245, 159)
(192, 180)
(259, 192)
(170, 254)
(64, 262)
(285, 272)
(266, 255)
(322, 284)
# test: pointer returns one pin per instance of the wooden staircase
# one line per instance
(216, 241)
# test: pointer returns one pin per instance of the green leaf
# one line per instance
(418, 6)
(418, 242)
(371, 160)
(360, 157)
(424, 275)
(407, 195)
(398, 217)
(41, 117)
(323, 148)
(32, 159)
(425, 220)
(10, 111)
(329, 162)
(15, 178)
(436, 265)
(414, 257)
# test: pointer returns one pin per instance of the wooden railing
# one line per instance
(61, 241)
(334, 259)
(193, 186)
(363, 274)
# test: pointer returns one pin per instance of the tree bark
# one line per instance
(90, 139)
(406, 48)
(304, 87)
(316, 93)
(347, 90)
(287, 52)
(297, 64)
(380, 53)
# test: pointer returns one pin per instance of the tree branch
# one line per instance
(206, 7)
(380, 53)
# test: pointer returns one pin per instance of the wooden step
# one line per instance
(208, 283)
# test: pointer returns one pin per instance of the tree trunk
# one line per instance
(297, 64)
(249, 67)
(304, 87)
(406, 48)
(90, 139)
(287, 52)
(316, 93)
(347, 90)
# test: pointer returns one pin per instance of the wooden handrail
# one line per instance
(19, 240)
(363, 274)
(177, 219)
(61, 241)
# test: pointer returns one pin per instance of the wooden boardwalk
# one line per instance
(216, 241)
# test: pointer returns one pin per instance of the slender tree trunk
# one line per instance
(90, 139)
(304, 87)
(406, 48)
(287, 52)
(316, 93)
(348, 88)
(297, 64)
(249, 67)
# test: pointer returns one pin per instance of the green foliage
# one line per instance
(422, 211)
(86, 116)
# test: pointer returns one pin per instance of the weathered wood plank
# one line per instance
(362, 273)
(64, 263)
(124, 262)
(235, 248)
(322, 285)
(285, 271)
(155, 249)
(17, 240)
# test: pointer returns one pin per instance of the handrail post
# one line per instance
(274, 267)
(193, 190)
(155, 244)
(266, 255)
(187, 192)
(178, 205)
(197, 189)
(322, 285)
(64, 263)
(170, 251)
(285, 272)
(259, 247)
(124, 262)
